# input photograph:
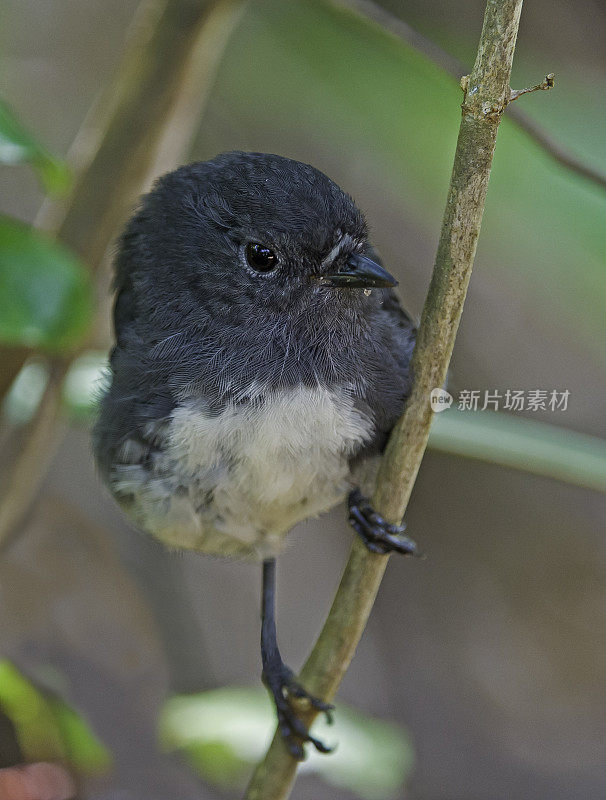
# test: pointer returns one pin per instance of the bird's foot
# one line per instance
(378, 535)
(281, 682)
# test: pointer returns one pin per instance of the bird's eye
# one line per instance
(260, 258)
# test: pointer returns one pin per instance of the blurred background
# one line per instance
(481, 672)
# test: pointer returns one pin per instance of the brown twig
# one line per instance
(395, 26)
(485, 100)
(33, 459)
(547, 83)
(11, 362)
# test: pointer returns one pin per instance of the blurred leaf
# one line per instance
(522, 444)
(223, 733)
(84, 383)
(84, 752)
(18, 146)
(45, 293)
(82, 387)
(25, 393)
(27, 709)
(46, 727)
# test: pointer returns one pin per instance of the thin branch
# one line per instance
(141, 127)
(11, 362)
(547, 83)
(485, 100)
(389, 23)
(42, 436)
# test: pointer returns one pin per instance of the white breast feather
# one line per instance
(270, 464)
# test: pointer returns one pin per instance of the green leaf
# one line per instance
(45, 293)
(34, 722)
(18, 146)
(46, 727)
(223, 733)
(522, 444)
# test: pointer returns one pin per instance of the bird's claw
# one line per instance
(281, 683)
(378, 535)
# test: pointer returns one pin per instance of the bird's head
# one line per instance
(248, 234)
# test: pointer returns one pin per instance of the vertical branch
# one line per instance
(486, 93)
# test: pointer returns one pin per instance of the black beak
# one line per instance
(359, 272)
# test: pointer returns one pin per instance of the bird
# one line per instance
(261, 359)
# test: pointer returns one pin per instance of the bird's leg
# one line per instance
(280, 680)
(378, 535)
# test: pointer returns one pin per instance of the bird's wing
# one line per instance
(404, 321)
(395, 377)
(391, 303)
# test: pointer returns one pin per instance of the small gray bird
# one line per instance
(261, 360)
